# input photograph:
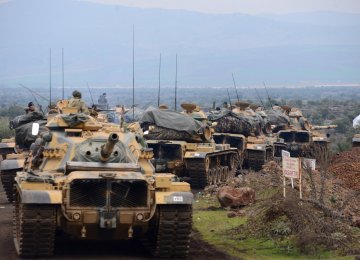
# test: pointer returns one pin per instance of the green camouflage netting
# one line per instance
(229, 122)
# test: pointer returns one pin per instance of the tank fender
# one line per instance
(12, 164)
(195, 155)
(174, 198)
(41, 196)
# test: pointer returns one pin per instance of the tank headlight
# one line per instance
(139, 216)
(76, 216)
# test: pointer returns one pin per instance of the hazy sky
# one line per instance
(243, 6)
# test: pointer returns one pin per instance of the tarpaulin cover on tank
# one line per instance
(356, 122)
(133, 115)
(229, 122)
(75, 119)
(23, 136)
(171, 120)
(23, 119)
(277, 117)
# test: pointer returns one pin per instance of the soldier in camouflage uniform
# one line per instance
(77, 102)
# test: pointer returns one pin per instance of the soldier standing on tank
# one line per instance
(77, 102)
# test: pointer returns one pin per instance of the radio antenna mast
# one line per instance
(63, 81)
(175, 80)
(50, 76)
(235, 86)
(229, 97)
(133, 67)
(158, 103)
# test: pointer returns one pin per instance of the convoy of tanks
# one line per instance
(93, 179)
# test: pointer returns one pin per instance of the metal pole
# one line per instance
(50, 76)
(175, 80)
(63, 81)
(158, 103)
(133, 56)
(229, 97)
(235, 86)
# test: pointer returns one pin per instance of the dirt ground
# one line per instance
(69, 249)
(346, 168)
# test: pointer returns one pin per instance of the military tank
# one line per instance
(300, 138)
(243, 123)
(184, 146)
(15, 150)
(95, 181)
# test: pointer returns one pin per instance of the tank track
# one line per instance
(34, 229)
(256, 160)
(169, 233)
(7, 180)
(200, 177)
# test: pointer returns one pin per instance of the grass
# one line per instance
(211, 221)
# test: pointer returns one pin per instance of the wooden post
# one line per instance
(284, 185)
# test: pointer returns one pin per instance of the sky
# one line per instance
(242, 6)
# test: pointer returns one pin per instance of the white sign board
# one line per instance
(309, 163)
(285, 153)
(291, 167)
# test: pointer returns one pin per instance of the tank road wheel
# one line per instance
(218, 175)
(226, 174)
(8, 180)
(34, 229)
(234, 162)
(222, 175)
(211, 174)
(169, 232)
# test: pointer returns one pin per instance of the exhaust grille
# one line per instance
(100, 193)
(128, 194)
(88, 193)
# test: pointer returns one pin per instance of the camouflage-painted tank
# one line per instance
(14, 150)
(248, 123)
(300, 138)
(95, 181)
(184, 146)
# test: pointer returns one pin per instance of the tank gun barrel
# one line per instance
(108, 147)
(318, 127)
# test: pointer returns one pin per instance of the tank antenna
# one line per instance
(133, 67)
(158, 103)
(232, 74)
(175, 80)
(92, 100)
(268, 95)
(229, 97)
(257, 93)
(50, 76)
(63, 81)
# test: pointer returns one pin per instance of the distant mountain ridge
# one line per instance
(97, 39)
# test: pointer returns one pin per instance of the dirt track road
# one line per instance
(65, 249)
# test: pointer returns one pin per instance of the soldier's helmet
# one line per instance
(76, 94)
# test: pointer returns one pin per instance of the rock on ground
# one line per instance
(235, 197)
